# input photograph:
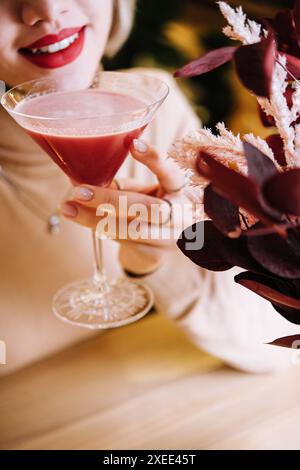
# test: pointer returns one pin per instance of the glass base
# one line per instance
(81, 304)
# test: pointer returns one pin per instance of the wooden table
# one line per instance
(145, 387)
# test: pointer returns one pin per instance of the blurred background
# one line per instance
(169, 33)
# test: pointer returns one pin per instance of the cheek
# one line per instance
(100, 15)
(8, 52)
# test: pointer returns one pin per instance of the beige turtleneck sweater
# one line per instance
(219, 316)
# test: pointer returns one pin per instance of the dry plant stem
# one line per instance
(289, 73)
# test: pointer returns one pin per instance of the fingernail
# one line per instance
(69, 210)
(140, 146)
(82, 193)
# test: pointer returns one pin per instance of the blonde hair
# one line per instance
(123, 17)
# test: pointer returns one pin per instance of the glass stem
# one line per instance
(99, 278)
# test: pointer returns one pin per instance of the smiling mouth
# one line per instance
(56, 47)
(54, 51)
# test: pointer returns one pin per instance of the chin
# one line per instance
(74, 71)
(81, 71)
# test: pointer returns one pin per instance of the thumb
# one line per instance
(169, 175)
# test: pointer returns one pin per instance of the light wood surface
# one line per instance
(145, 386)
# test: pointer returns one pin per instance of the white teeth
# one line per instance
(57, 46)
(43, 49)
(53, 48)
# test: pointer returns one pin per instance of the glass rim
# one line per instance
(103, 116)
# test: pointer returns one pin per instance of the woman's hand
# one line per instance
(142, 250)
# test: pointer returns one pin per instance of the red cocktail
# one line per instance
(85, 154)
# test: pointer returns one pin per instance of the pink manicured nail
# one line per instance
(69, 210)
(140, 146)
(83, 194)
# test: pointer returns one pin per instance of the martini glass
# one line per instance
(88, 132)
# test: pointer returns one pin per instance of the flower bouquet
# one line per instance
(250, 187)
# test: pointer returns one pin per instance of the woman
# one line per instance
(218, 315)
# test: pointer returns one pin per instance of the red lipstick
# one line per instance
(47, 59)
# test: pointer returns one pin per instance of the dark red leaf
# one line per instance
(255, 65)
(261, 285)
(286, 34)
(260, 167)
(277, 255)
(236, 252)
(293, 65)
(207, 62)
(267, 121)
(276, 143)
(265, 22)
(259, 230)
(265, 287)
(290, 288)
(289, 95)
(209, 256)
(234, 186)
(223, 213)
(283, 191)
(291, 342)
(296, 15)
(290, 314)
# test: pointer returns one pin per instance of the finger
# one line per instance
(131, 184)
(112, 228)
(169, 175)
(149, 208)
(136, 232)
(79, 214)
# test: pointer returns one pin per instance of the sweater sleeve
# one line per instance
(235, 324)
(222, 317)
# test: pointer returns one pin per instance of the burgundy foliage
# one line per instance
(288, 342)
(255, 65)
(276, 144)
(255, 218)
(269, 250)
(255, 62)
(207, 62)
